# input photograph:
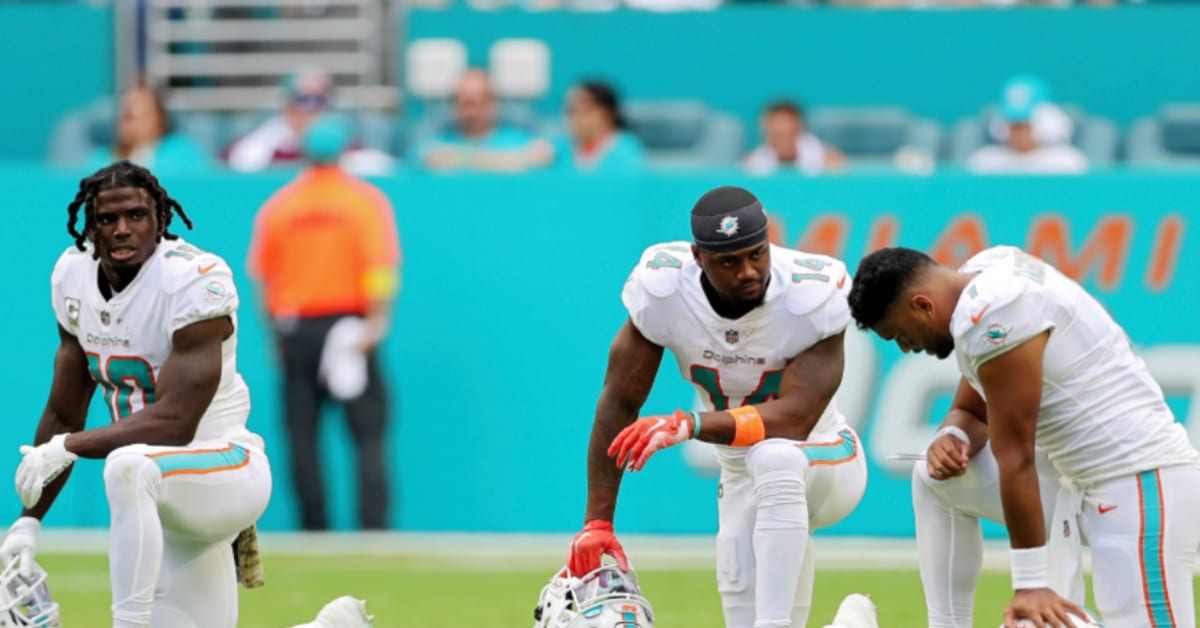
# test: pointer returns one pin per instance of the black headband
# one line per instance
(732, 230)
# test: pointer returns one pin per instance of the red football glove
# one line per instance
(591, 544)
(636, 443)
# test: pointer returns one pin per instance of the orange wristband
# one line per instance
(748, 426)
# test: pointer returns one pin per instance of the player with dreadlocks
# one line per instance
(152, 320)
(121, 173)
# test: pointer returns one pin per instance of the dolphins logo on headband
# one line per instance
(729, 226)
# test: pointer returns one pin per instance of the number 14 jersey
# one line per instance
(736, 362)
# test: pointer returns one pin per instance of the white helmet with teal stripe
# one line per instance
(24, 599)
(604, 598)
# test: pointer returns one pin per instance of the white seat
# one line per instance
(520, 68)
(434, 66)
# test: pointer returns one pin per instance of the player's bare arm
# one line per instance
(185, 387)
(66, 410)
(1013, 381)
(633, 362)
(808, 385)
(962, 434)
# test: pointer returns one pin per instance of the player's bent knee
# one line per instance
(129, 468)
(775, 456)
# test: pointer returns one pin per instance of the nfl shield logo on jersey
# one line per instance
(104, 317)
(731, 336)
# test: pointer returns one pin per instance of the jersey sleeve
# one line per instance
(66, 309)
(203, 290)
(998, 314)
(821, 296)
(648, 290)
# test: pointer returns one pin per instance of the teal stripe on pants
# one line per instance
(1152, 549)
(184, 460)
(832, 452)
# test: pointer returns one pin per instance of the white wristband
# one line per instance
(1030, 568)
(955, 431)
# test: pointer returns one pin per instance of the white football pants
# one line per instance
(175, 513)
(1143, 531)
(769, 503)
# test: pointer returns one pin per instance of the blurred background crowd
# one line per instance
(224, 84)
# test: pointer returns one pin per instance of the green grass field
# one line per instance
(432, 593)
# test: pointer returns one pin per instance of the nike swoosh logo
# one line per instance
(975, 318)
(204, 269)
(1105, 509)
(842, 282)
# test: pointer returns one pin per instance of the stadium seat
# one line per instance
(1095, 136)
(203, 127)
(1172, 136)
(376, 129)
(872, 135)
(81, 131)
(519, 68)
(433, 67)
(685, 134)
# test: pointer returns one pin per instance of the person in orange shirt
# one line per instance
(326, 252)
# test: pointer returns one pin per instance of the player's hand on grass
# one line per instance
(1044, 607)
(636, 443)
(21, 544)
(591, 545)
(39, 466)
(947, 457)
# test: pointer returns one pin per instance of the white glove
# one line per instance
(40, 466)
(21, 544)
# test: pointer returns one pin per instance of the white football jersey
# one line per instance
(127, 338)
(737, 362)
(1102, 414)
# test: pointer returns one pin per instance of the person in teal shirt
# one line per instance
(144, 136)
(477, 141)
(598, 141)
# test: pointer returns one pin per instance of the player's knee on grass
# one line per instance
(128, 473)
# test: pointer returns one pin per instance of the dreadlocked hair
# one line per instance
(118, 175)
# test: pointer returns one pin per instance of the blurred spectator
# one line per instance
(476, 140)
(277, 141)
(144, 136)
(788, 144)
(599, 141)
(326, 251)
(1034, 134)
(923, 4)
(666, 6)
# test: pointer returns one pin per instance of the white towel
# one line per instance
(343, 363)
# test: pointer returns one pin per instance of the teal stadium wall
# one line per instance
(511, 297)
(57, 57)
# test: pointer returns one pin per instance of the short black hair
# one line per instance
(881, 276)
(116, 175)
(606, 97)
